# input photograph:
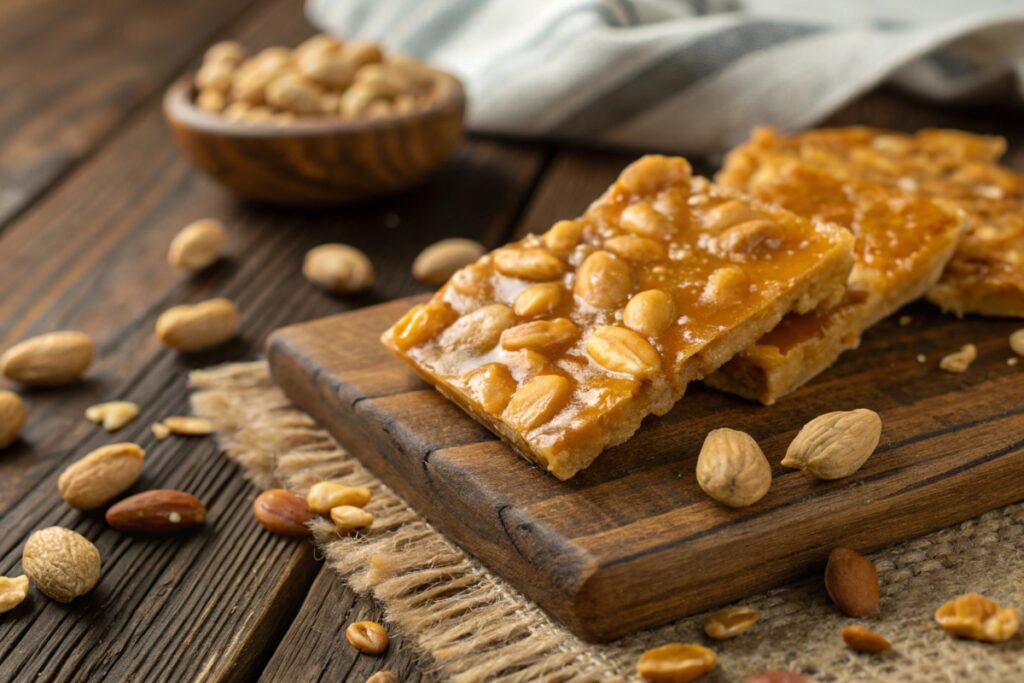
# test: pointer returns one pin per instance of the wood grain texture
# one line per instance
(318, 161)
(632, 541)
(72, 71)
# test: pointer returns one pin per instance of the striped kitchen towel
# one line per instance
(691, 76)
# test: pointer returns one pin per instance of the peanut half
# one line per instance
(862, 639)
(732, 469)
(368, 637)
(438, 262)
(338, 268)
(186, 425)
(675, 663)
(61, 563)
(13, 592)
(852, 582)
(198, 244)
(101, 475)
(49, 359)
(349, 517)
(12, 417)
(112, 415)
(835, 445)
(975, 616)
(730, 622)
(325, 495)
(191, 328)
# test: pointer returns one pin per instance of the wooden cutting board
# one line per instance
(632, 541)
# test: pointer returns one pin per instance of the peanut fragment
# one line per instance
(959, 361)
(438, 262)
(481, 329)
(675, 663)
(12, 417)
(198, 244)
(368, 637)
(852, 582)
(13, 592)
(186, 425)
(325, 495)
(835, 445)
(1017, 342)
(975, 616)
(350, 517)
(862, 639)
(49, 359)
(730, 622)
(492, 385)
(113, 414)
(732, 469)
(622, 350)
(160, 430)
(192, 328)
(338, 268)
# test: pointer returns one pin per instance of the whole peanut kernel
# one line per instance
(101, 475)
(49, 359)
(675, 663)
(338, 268)
(325, 495)
(1017, 342)
(198, 244)
(368, 637)
(198, 327)
(438, 262)
(12, 417)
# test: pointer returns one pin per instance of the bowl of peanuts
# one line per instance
(328, 122)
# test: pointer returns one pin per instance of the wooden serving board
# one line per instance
(632, 541)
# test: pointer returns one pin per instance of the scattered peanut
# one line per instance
(675, 663)
(959, 361)
(282, 512)
(198, 244)
(852, 582)
(338, 268)
(368, 637)
(12, 417)
(112, 415)
(191, 328)
(382, 677)
(730, 622)
(160, 430)
(349, 517)
(49, 359)
(12, 592)
(835, 445)
(775, 676)
(101, 475)
(325, 495)
(186, 425)
(732, 469)
(1017, 342)
(975, 616)
(61, 563)
(440, 260)
(862, 639)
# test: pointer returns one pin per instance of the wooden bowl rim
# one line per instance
(179, 107)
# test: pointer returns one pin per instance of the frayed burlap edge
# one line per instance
(471, 626)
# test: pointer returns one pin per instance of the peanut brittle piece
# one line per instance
(903, 243)
(986, 274)
(562, 343)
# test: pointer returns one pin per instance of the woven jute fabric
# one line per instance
(469, 625)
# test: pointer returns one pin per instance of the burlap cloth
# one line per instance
(471, 626)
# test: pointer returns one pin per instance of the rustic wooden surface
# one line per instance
(92, 188)
(632, 541)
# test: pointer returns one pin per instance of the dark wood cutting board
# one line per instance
(632, 541)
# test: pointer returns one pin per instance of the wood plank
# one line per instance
(72, 71)
(632, 541)
(91, 256)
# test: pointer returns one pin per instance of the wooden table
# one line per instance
(92, 188)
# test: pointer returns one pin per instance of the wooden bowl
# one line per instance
(318, 161)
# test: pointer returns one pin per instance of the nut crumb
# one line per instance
(921, 358)
(959, 361)
(1012, 361)
(160, 430)
(904, 320)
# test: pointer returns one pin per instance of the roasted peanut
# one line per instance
(541, 335)
(198, 244)
(350, 517)
(101, 476)
(422, 323)
(325, 495)
(438, 262)
(636, 248)
(1017, 342)
(112, 415)
(675, 663)
(604, 280)
(621, 350)
(13, 592)
(49, 359)
(537, 401)
(530, 263)
(642, 219)
(192, 328)
(650, 312)
(732, 469)
(293, 93)
(368, 637)
(492, 385)
(975, 616)
(539, 299)
(563, 236)
(730, 622)
(862, 639)
(12, 417)
(338, 268)
(481, 329)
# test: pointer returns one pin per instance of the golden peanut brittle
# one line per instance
(986, 273)
(903, 242)
(562, 343)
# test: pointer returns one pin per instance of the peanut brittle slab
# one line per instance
(562, 343)
(986, 273)
(903, 243)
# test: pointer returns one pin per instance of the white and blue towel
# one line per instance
(691, 76)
